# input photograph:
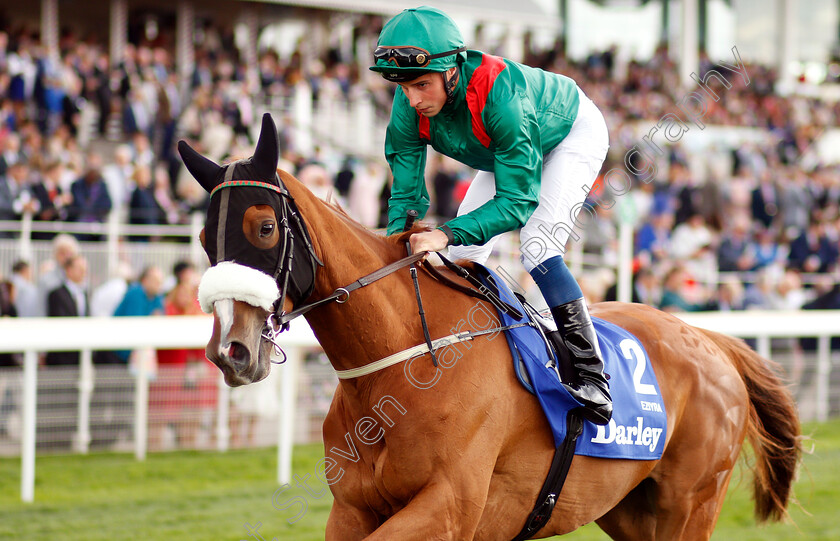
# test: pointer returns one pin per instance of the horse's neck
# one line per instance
(367, 327)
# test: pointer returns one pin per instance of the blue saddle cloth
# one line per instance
(638, 427)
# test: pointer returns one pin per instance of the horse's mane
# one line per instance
(401, 238)
(392, 242)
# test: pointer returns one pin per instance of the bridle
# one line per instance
(292, 227)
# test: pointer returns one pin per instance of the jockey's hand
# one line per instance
(428, 241)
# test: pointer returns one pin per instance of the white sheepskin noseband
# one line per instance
(229, 280)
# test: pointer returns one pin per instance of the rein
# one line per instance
(284, 319)
(278, 321)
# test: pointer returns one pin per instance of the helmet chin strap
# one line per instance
(449, 84)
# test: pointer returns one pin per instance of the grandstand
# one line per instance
(729, 210)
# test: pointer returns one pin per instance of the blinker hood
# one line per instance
(236, 187)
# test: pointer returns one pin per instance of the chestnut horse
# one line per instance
(465, 455)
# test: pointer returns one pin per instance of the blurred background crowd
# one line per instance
(729, 226)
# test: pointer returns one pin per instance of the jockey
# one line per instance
(538, 144)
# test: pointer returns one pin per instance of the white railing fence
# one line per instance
(77, 400)
(34, 335)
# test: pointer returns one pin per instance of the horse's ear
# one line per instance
(267, 153)
(205, 170)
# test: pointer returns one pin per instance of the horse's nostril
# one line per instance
(239, 356)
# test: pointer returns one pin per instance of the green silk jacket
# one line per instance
(504, 118)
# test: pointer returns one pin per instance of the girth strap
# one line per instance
(555, 479)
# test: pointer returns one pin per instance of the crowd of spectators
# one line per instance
(63, 289)
(728, 227)
(752, 225)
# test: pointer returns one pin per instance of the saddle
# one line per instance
(487, 288)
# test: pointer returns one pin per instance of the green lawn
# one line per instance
(211, 496)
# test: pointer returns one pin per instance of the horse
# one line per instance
(457, 449)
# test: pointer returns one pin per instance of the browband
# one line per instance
(255, 183)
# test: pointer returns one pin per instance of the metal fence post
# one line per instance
(141, 410)
(196, 225)
(364, 117)
(624, 290)
(763, 346)
(823, 372)
(113, 241)
(302, 113)
(26, 236)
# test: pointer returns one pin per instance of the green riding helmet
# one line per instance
(418, 41)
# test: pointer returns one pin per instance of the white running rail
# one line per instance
(35, 335)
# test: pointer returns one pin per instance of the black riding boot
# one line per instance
(590, 387)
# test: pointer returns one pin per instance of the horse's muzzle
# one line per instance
(233, 371)
(238, 365)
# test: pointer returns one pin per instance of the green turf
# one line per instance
(212, 496)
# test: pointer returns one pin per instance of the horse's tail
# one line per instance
(773, 430)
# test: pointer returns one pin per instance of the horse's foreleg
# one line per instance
(440, 512)
(348, 523)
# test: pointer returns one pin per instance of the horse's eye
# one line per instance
(267, 229)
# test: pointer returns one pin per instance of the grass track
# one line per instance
(211, 496)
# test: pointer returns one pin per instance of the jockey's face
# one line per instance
(426, 93)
